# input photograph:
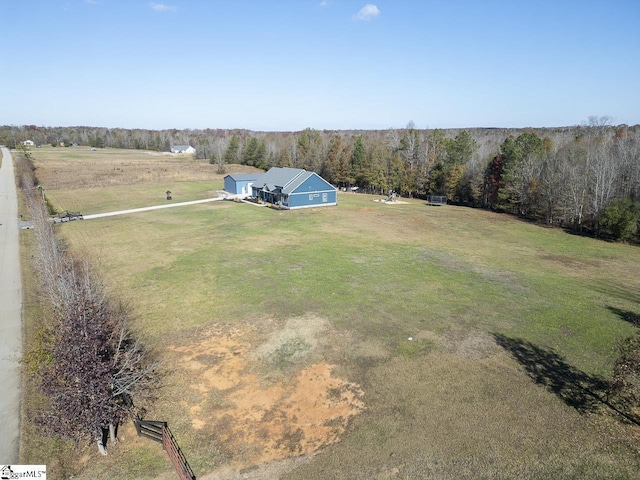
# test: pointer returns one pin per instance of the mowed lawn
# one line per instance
(469, 344)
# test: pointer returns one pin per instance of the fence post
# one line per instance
(179, 461)
(159, 432)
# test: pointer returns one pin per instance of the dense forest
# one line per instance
(584, 177)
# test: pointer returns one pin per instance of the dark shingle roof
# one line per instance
(280, 178)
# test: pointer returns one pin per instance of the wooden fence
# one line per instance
(159, 432)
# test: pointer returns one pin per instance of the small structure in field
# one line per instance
(393, 197)
(240, 183)
(168, 193)
(183, 149)
(437, 200)
(293, 188)
(28, 143)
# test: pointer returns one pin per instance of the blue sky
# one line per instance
(332, 64)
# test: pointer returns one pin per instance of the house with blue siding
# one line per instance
(240, 183)
(292, 188)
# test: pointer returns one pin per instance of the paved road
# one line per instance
(10, 314)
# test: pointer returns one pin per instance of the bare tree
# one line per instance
(95, 367)
(393, 139)
(603, 173)
(90, 368)
(551, 187)
(627, 149)
(220, 146)
(574, 167)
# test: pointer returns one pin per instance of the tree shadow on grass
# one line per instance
(619, 291)
(631, 317)
(582, 391)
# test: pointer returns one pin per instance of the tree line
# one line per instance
(86, 362)
(583, 177)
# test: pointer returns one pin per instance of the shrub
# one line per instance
(626, 373)
(620, 219)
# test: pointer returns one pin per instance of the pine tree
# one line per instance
(231, 155)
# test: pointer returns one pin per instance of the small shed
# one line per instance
(293, 188)
(240, 183)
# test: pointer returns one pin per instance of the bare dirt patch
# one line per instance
(569, 262)
(390, 202)
(258, 418)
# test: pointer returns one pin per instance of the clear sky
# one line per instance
(332, 64)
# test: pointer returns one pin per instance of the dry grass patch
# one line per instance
(468, 344)
(108, 179)
(295, 342)
(81, 168)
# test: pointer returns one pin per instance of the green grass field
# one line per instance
(511, 325)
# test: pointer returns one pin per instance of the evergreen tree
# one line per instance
(358, 159)
(331, 169)
(395, 171)
(249, 152)
(260, 157)
(520, 172)
(620, 218)
(460, 149)
(310, 150)
(231, 155)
